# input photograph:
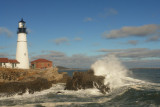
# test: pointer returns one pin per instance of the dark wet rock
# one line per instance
(103, 88)
(19, 88)
(84, 80)
(59, 92)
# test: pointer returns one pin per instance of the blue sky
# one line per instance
(69, 32)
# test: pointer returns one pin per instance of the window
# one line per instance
(0, 64)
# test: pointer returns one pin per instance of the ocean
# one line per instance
(141, 89)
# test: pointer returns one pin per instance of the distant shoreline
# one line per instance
(61, 68)
(144, 68)
(68, 69)
(71, 69)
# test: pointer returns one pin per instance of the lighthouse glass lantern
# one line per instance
(22, 27)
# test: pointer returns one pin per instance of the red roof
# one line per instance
(13, 61)
(6, 60)
(41, 60)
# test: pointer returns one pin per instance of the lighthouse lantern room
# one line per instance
(22, 51)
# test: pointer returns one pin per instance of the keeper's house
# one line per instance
(8, 63)
(41, 64)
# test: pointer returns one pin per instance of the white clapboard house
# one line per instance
(8, 63)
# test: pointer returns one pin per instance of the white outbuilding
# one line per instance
(8, 63)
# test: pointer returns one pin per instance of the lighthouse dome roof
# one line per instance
(22, 21)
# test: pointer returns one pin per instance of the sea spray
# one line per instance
(112, 69)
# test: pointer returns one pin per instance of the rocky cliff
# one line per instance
(21, 75)
(18, 80)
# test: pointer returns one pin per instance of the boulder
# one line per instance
(84, 80)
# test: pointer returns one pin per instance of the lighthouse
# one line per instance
(22, 51)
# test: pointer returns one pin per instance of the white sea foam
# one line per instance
(112, 69)
(51, 104)
(55, 89)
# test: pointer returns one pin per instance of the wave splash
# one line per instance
(112, 69)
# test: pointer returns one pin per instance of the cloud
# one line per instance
(62, 40)
(53, 53)
(84, 61)
(2, 47)
(6, 32)
(149, 63)
(109, 12)
(96, 44)
(45, 51)
(153, 39)
(133, 53)
(88, 19)
(57, 54)
(110, 50)
(113, 11)
(136, 57)
(74, 61)
(4, 55)
(65, 40)
(141, 31)
(77, 39)
(29, 31)
(132, 42)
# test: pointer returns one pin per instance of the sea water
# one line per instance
(129, 88)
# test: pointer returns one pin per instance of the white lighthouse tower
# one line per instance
(22, 51)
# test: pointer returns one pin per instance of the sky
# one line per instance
(76, 33)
